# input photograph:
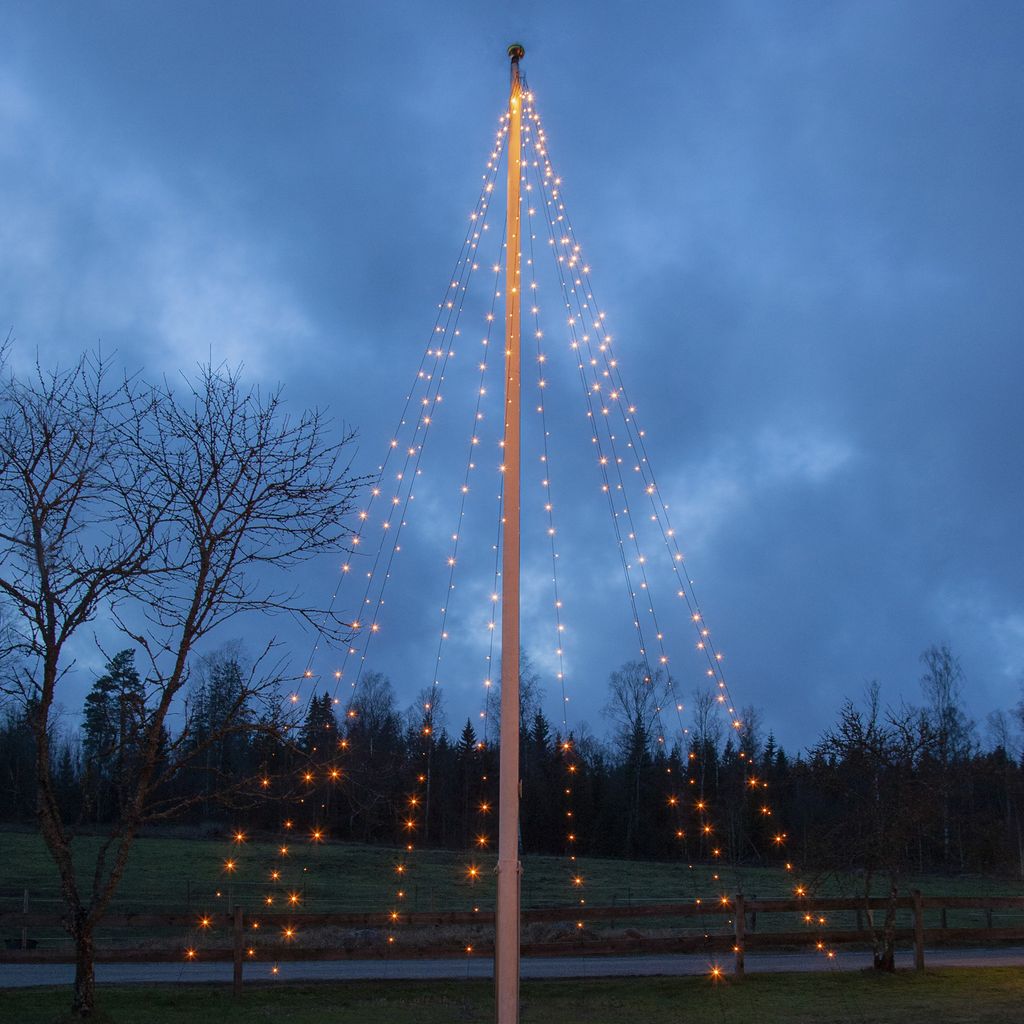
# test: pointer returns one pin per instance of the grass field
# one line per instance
(178, 873)
(182, 874)
(987, 996)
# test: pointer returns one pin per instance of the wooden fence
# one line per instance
(727, 925)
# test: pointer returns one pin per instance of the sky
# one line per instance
(804, 222)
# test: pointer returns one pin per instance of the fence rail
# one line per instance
(738, 915)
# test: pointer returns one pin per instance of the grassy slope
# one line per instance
(990, 996)
(187, 874)
(167, 872)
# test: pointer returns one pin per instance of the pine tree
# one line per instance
(114, 722)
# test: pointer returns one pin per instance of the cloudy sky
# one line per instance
(804, 222)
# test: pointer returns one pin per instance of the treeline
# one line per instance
(886, 789)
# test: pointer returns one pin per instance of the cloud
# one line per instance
(101, 246)
(709, 496)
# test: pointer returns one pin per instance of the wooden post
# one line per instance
(239, 941)
(918, 931)
(506, 928)
(741, 924)
(24, 928)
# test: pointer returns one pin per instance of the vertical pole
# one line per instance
(740, 917)
(24, 928)
(506, 945)
(918, 932)
(238, 936)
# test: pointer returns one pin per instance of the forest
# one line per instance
(886, 789)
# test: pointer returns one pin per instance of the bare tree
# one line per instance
(531, 698)
(874, 762)
(942, 685)
(161, 513)
(635, 696)
(707, 735)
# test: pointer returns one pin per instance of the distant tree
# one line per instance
(871, 761)
(942, 685)
(160, 510)
(17, 761)
(374, 753)
(635, 695)
(114, 725)
(541, 789)
(531, 695)
(707, 739)
(318, 737)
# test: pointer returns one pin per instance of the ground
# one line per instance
(986, 996)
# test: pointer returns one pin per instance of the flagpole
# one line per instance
(506, 946)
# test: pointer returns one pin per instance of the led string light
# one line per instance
(565, 750)
(410, 822)
(464, 488)
(594, 387)
(705, 828)
(458, 281)
(603, 443)
(549, 185)
(418, 798)
(555, 213)
(495, 597)
(406, 480)
(636, 437)
(428, 379)
(596, 438)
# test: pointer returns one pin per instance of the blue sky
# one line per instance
(804, 221)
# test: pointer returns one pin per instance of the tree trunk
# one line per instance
(885, 959)
(84, 1001)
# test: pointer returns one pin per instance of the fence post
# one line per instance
(739, 917)
(24, 928)
(918, 931)
(239, 936)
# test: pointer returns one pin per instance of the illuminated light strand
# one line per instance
(565, 745)
(410, 821)
(456, 283)
(636, 438)
(636, 442)
(603, 462)
(406, 484)
(595, 385)
(445, 330)
(592, 387)
(410, 814)
(464, 489)
(680, 833)
(608, 446)
(545, 452)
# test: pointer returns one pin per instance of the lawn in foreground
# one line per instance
(959, 996)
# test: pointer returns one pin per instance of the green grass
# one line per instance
(175, 873)
(182, 874)
(983, 996)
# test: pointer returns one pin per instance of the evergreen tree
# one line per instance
(114, 721)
